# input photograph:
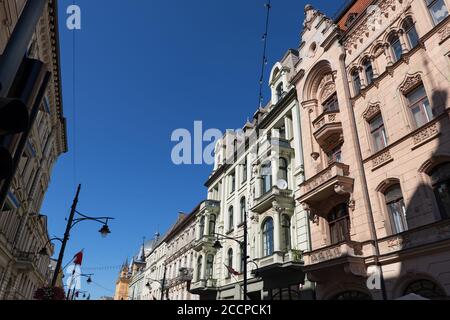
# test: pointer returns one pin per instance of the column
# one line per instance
(362, 77)
(374, 67)
(403, 41)
(203, 271)
(207, 217)
(387, 54)
(275, 166)
(276, 231)
(298, 142)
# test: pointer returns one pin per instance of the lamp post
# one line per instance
(71, 222)
(162, 283)
(89, 281)
(243, 245)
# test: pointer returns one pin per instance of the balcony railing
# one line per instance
(205, 241)
(332, 180)
(265, 202)
(337, 251)
(328, 124)
(204, 285)
(25, 261)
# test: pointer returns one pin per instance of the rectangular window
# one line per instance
(420, 107)
(397, 210)
(232, 182)
(396, 48)
(331, 105)
(244, 172)
(438, 10)
(378, 133)
(356, 82)
(335, 155)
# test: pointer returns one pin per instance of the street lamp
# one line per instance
(243, 244)
(43, 251)
(72, 222)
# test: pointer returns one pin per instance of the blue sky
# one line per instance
(143, 69)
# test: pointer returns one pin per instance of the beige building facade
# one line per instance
(374, 86)
(23, 230)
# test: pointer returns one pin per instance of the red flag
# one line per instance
(232, 271)
(78, 258)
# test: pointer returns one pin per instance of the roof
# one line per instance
(355, 7)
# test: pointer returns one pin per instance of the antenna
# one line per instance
(265, 37)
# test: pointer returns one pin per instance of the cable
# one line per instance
(264, 57)
(74, 128)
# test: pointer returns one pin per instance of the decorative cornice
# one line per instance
(410, 82)
(372, 110)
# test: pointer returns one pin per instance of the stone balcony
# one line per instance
(184, 275)
(281, 269)
(265, 202)
(333, 180)
(346, 257)
(204, 242)
(327, 127)
(25, 261)
(204, 287)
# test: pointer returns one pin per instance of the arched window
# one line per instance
(230, 218)
(438, 10)
(339, 224)
(286, 230)
(396, 47)
(440, 178)
(199, 268)
(356, 82)
(283, 169)
(209, 266)
(267, 230)
(368, 70)
(266, 173)
(243, 209)
(279, 91)
(202, 227)
(229, 262)
(426, 289)
(396, 207)
(212, 224)
(411, 32)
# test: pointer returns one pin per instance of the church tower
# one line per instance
(123, 282)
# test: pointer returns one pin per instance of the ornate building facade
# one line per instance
(23, 230)
(180, 258)
(374, 90)
(344, 176)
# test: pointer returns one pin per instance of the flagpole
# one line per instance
(66, 237)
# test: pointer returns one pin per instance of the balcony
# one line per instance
(204, 242)
(281, 269)
(204, 288)
(328, 128)
(333, 180)
(185, 275)
(265, 202)
(342, 258)
(25, 262)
